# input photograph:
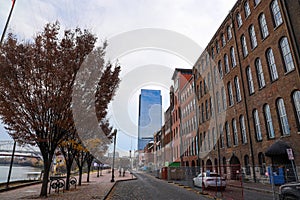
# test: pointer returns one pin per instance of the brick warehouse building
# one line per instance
(248, 89)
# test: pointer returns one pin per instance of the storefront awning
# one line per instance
(278, 148)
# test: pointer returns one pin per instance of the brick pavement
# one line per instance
(97, 188)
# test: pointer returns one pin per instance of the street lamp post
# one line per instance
(113, 165)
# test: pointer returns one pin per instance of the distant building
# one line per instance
(150, 116)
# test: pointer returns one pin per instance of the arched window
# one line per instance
(257, 125)
(221, 136)
(223, 40)
(206, 109)
(239, 19)
(269, 122)
(260, 73)
(212, 53)
(243, 129)
(235, 133)
(215, 75)
(211, 107)
(209, 81)
(263, 26)
(247, 9)
(296, 100)
(272, 65)
(252, 37)
(226, 62)
(262, 163)
(256, 2)
(227, 130)
(230, 94)
(247, 165)
(286, 54)
(223, 93)
(229, 34)
(232, 56)
(217, 46)
(250, 80)
(284, 123)
(220, 69)
(276, 13)
(218, 102)
(244, 46)
(237, 89)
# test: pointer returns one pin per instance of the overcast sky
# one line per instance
(182, 24)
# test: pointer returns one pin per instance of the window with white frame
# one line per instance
(232, 56)
(284, 123)
(239, 19)
(237, 89)
(252, 36)
(220, 69)
(250, 80)
(247, 9)
(286, 54)
(230, 94)
(263, 26)
(228, 137)
(235, 133)
(257, 125)
(276, 13)
(296, 100)
(260, 74)
(243, 129)
(229, 33)
(223, 40)
(244, 45)
(269, 122)
(223, 93)
(272, 65)
(226, 62)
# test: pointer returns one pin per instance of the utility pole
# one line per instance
(7, 21)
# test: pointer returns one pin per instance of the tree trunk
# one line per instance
(44, 188)
(88, 173)
(80, 175)
(68, 177)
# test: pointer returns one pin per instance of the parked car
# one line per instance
(289, 191)
(211, 179)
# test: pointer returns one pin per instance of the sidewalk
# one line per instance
(97, 188)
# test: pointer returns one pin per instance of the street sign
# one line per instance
(290, 154)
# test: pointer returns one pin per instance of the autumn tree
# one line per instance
(36, 83)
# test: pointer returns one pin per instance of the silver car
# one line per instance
(211, 179)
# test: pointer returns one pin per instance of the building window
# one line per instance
(269, 122)
(260, 74)
(287, 55)
(247, 9)
(223, 40)
(263, 26)
(296, 100)
(235, 133)
(230, 94)
(217, 46)
(227, 130)
(239, 19)
(229, 34)
(223, 93)
(221, 136)
(212, 53)
(284, 123)
(208, 140)
(206, 109)
(209, 81)
(250, 80)
(220, 69)
(244, 46)
(247, 166)
(211, 107)
(256, 2)
(252, 37)
(215, 74)
(276, 13)
(226, 61)
(218, 102)
(272, 65)
(214, 135)
(243, 129)
(257, 125)
(232, 56)
(237, 89)
(202, 112)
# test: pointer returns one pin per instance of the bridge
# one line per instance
(6, 149)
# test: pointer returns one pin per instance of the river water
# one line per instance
(17, 173)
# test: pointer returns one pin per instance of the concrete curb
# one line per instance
(20, 186)
(108, 192)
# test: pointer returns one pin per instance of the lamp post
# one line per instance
(114, 134)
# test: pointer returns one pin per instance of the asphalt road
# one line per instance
(147, 187)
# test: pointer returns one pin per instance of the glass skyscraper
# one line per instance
(150, 116)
